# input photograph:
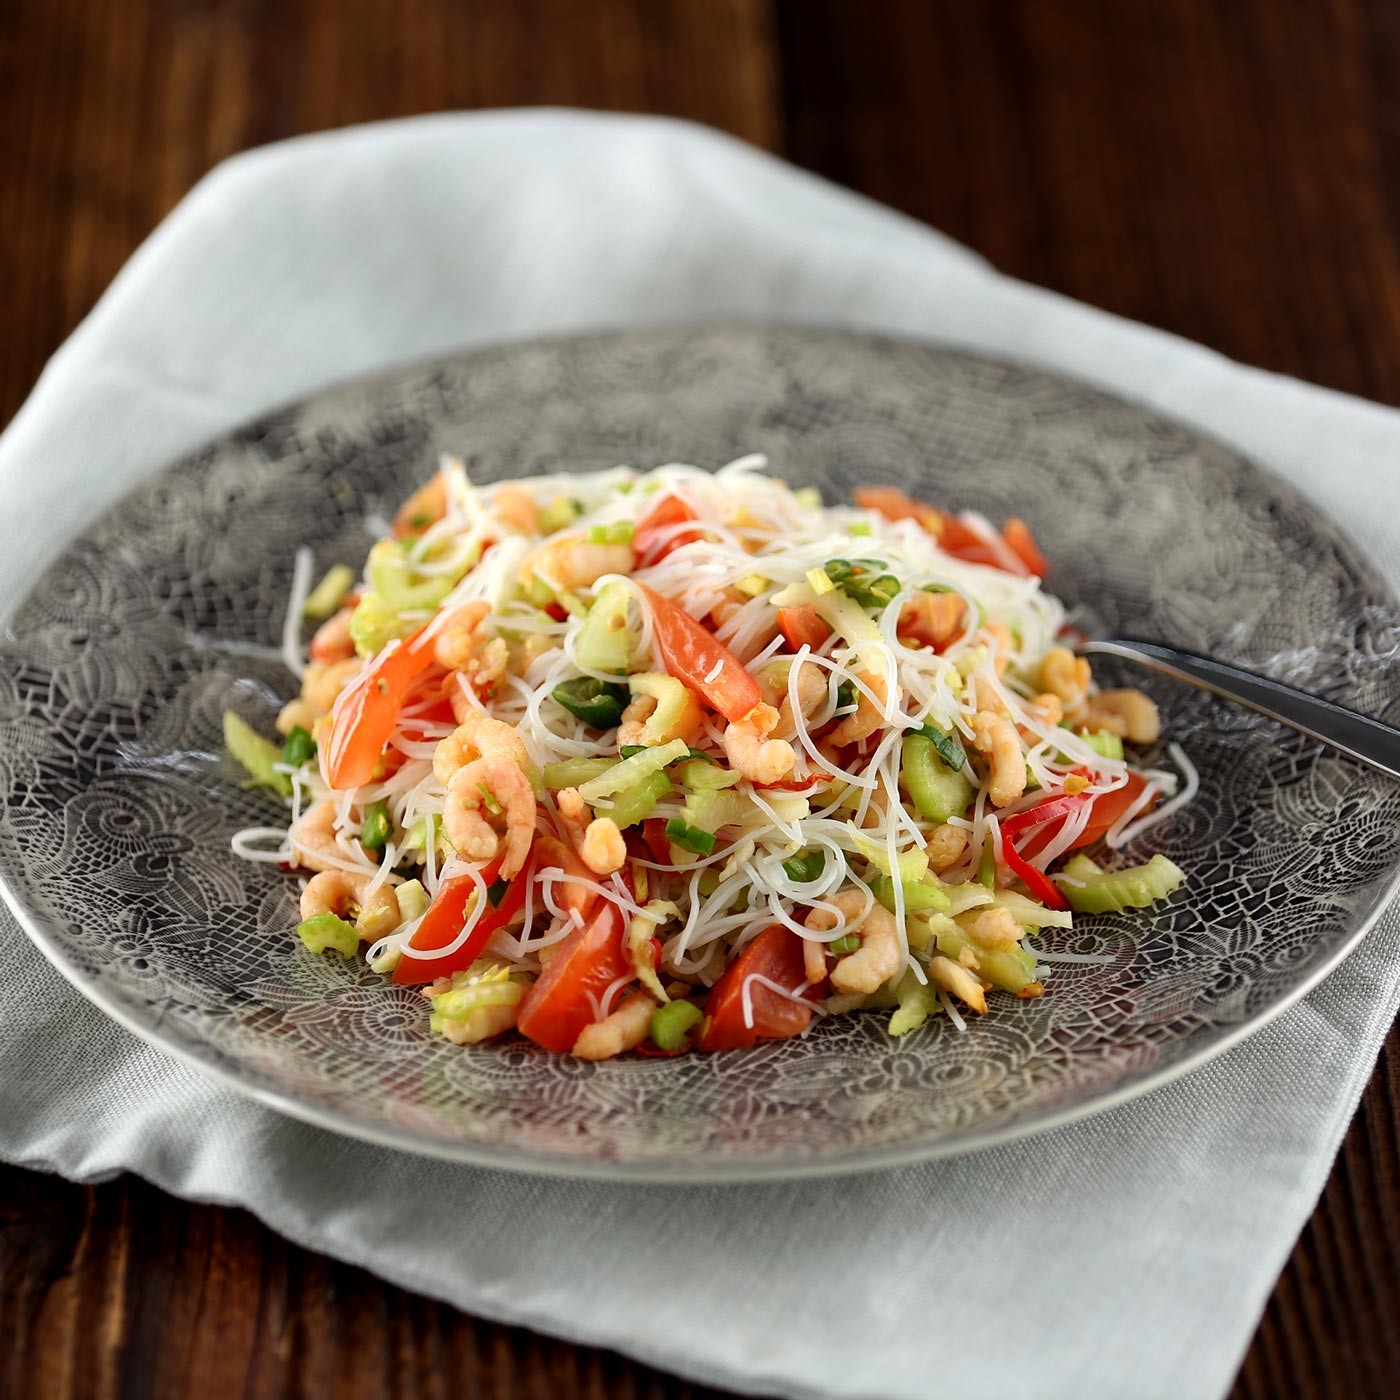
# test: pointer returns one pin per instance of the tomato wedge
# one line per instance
(953, 536)
(777, 955)
(802, 627)
(369, 708)
(563, 1000)
(706, 666)
(654, 537)
(1021, 542)
(445, 917)
(657, 842)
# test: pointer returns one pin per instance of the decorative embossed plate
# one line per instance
(118, 807)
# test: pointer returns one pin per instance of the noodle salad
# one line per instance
(682, 760)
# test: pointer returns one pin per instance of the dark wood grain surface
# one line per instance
(1228, 171)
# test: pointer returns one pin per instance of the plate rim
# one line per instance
(543, 1163)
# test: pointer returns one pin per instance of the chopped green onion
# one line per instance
(949, 746)
(325, 598)
(256, 754)
(323, 931)
(839, 570)
(806, 867)
(599, 704)
(299, 747)
(840, 946)
(671, 1024)
(689, 838)
(377, 826)
(619, 532)
(845, 695)
(987, 870)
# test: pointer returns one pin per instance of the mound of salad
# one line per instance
(682, 760)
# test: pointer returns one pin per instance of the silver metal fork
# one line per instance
(1370, 740)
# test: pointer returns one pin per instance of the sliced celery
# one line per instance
(908, 866)
(1104, 744)
(375, 623)
(917, 1002)
(323, 931)
(392, 577)
(633, 770)
(677, 710)
(1009, 968)
(603, 641)
(325, 598)
(671, 1024)
(1106, 892)
(255, 754)
(413, 901)
(934, 788)
(636, 803)
(575, 772)
(918, 896)
(1030, 914)
(700, 775)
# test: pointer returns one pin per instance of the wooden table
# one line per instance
(1227, 171)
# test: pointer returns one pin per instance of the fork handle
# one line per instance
(1371, 740)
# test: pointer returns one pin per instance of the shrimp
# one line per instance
(995, 735)
(991, 928)
(1066, 675)
(517, 507)
(477, 736)
(323, 681)
(752, 753)
(501, 787)
(880, 954)
(661, 709)
(1127, 713)
(869, 714)
(931, 619)
(313, 838)
(340, 893)
(461, 646)
(296, 714)
(597, 840)
(332, 640)
(623, 1030)
(575, 563)
(946, 845)
(426, 506)
(1048, 710)
(811, 693)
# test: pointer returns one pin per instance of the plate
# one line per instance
(116, 805)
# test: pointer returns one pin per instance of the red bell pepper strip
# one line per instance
(445, 917)
(1038, 884)
(694, 656)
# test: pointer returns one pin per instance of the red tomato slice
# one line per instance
(707, 666)
(369, 709)
(558, 1007)
(802, 627)
(1021, 542)
(445, 917)
(777, 955)
(652, 540)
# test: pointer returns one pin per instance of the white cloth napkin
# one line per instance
(1128, 1256)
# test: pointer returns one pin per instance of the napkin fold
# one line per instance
(1126, 1256)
